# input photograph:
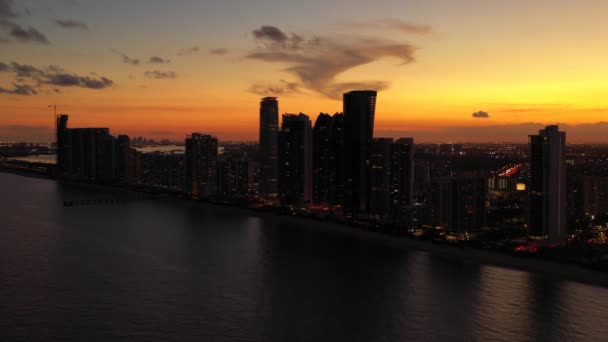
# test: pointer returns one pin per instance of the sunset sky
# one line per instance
(163, 69)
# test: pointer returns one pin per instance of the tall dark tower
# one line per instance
(269, 126)
(359, 112)
(295, 161)
(337, 164)
(547, 191)
(322, 158)
(63, 152)
(201, 165)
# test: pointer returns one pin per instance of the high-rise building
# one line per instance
(123, 158)
(269, 126)
(380, 177)
(359, 113)
(458, 203)
(233, 174)
(63, 150)
(547, 188)
(402, 177)
(85, 154)
(295, 161)
(164, 170)
(322, 153)
(337, 164)
(201, 165)
(391, 177)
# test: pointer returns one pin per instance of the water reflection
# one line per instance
(179, 270)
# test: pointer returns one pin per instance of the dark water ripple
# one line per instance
(181, 271)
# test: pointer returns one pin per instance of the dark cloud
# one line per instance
(189, 51)
(73, 80)
(50, 75)
(270, 33)
(317, 62)
(481, 115)
(6, 9)
(128, 60)
(23, 35)
(72, 24)
(394, 24)
(218, 51)
(282, 89)
(160, 75)
(273, 37)
(19, 89)
(159, 60)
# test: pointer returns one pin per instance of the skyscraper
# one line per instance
(458, 203)
(322, 152)
(337, 165)
(359, 113)
(63, 150)
(547, 188)
(269, 125)
(391, 177)
(201, 165)
(233, 174)
(402, 177)
(295, 160)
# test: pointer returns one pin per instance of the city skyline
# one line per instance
(444, 72)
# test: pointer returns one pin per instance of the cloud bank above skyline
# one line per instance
(317, 62)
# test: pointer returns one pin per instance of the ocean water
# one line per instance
(169, 270)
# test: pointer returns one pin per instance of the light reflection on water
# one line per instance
(177, 270)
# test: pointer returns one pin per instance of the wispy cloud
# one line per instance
(218, 51)
(72, 24)
(21, 34)
(158, 60)
(125, 58)
(317, 62)
(393, 24)
(189, 51)
(160, 75)
(281, 89)
(48, 76)
(15, 31)
(19, 89)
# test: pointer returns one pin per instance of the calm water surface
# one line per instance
(161, 270)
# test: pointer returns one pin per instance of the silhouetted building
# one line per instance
(201, 165)
(164, 170)
(380, 177)
(124, 159)
(295, 160)
(337, 163)
(359, 113)
(458, 203)
(594, 194)
(391, 177)
(233, 175)
(322, 154)
(547, 188)
(85, 154)
(402, 178)
(269, 125)
(63, 150)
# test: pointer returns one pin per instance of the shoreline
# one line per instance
(565, 271)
